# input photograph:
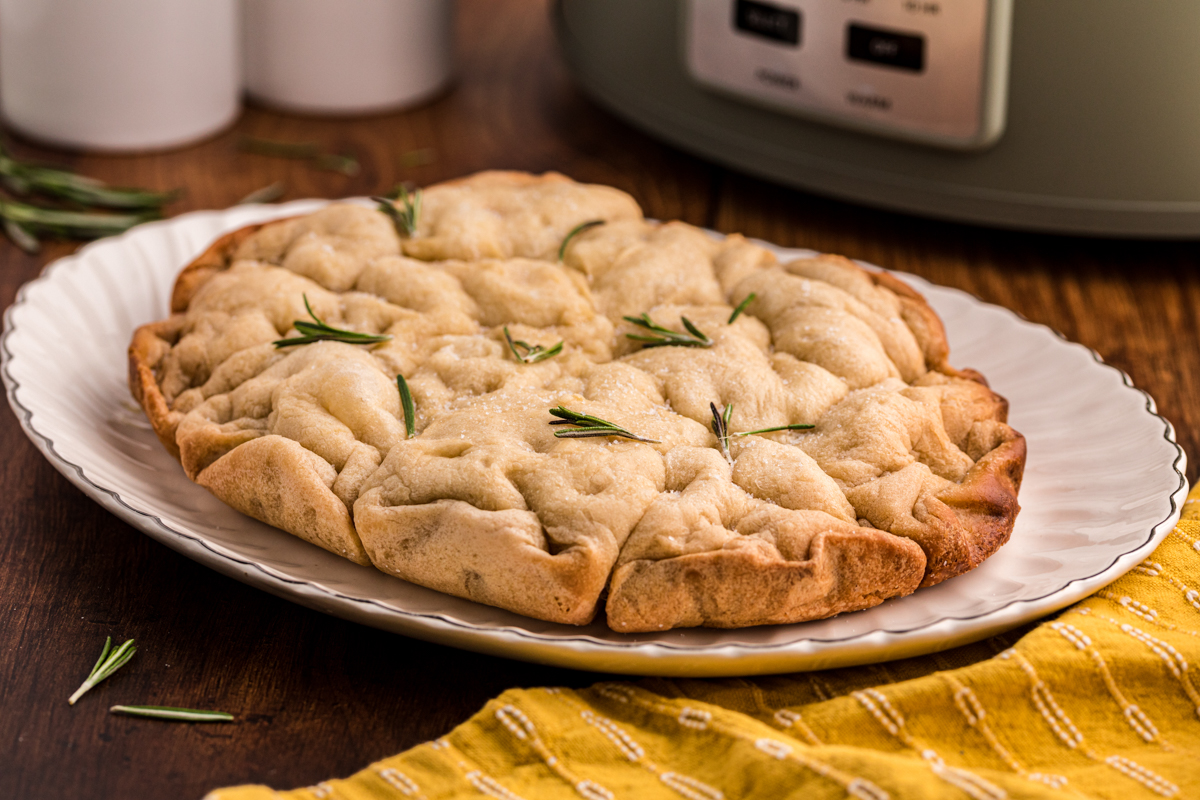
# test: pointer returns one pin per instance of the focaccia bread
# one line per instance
(907, 476)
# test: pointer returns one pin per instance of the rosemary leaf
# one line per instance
(343, 163)
(417, 158)
(410, 409)
(170, 713)
(23, 178)
(109, 662)
(22, 238)
(301, 151)
(571, 234)
(71, 224)
(737, 312)
(267, 194)
(319, 331)
(663, 337)
(796, 427)
(528, 353)
(588, 427)
(720, 427)
(407, 218)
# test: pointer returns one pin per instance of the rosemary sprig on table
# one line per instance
(528, 353)
(797, 427)
(21, 237)
(571, 234)
(338, 162)
(171, 713)
(588, 427)
(319, 331)
(720, 427)
(23, 178)
(24, 223)
(109, 662)
(420, 157)
(410, 408)
(737, 312)
(267, 194)
(405, 219)
(303, 151)
(662, 337)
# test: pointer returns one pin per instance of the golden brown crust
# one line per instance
(985, 504)
(150, 343)
(921, 319)
(844, 568)
(274, 480)
(845, 571)
(217, 258)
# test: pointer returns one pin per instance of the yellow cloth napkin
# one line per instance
(1101, 701)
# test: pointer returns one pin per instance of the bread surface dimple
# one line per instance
(907, 475)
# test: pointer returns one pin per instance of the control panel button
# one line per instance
(887, 48)
(771, 22)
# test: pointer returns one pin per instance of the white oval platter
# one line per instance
(1104, 482)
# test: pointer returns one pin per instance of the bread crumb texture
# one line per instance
(908, 477)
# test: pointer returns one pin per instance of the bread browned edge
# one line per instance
(844, 571)
(153, 341)
(985, 503)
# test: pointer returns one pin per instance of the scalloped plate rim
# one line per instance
(582, 651)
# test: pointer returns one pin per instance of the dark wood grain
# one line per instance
(316, 696)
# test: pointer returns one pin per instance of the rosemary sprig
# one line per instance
(588, 427)
(796, 427)
(22, 238)
(338, 162)
(71, 224)
(303, 151)
(267, 194)
(533, 353)
(23, 178)
(720, 427)
(737, 312)
(410, 409)
(177, 714)
(319, 331)
(663, 337)
(571, 234)
(416, 158)
(107, 664)
(405, 219)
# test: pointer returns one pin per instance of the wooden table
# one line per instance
(317, 697)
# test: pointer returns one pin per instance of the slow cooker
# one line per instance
(1072, 116)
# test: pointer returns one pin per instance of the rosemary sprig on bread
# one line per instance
(587, 427)
(571, 234)
(665, 337)
(319, 331)
(408, 215)
(528, 353)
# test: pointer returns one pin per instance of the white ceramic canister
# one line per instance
(119, 75)
(347, 56)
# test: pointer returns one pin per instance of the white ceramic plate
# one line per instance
(1103, 484)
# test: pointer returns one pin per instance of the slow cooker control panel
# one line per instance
(933, 71)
